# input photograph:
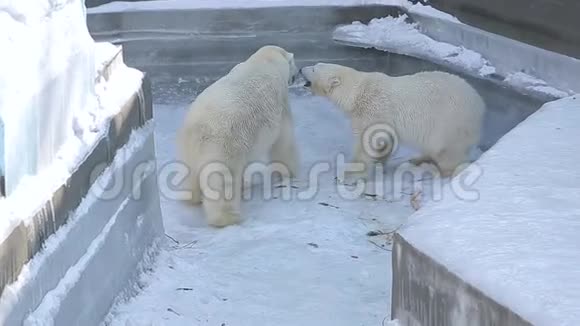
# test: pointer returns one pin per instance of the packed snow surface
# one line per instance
(398, 35)
(518, 243)
(304, 261)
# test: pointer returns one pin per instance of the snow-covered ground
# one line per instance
(521, 236)
(307, 261)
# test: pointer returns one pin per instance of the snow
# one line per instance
(47, 53)
(93, 123)
(30, 271)
(397, 35)
(520, 238)
(303, 261)
(429, 11)
(1, 147)
(53, 285)
(526, 81)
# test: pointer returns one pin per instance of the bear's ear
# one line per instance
(333, 82)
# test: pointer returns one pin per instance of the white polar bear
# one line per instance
(437, 113)
(242, 116)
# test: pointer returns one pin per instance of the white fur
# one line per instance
(438, 113)
(242, 116)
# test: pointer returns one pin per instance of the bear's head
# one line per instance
(279, 55)
(326, 79)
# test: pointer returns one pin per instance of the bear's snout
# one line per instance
(307, 83)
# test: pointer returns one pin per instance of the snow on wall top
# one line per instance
(396, 35)
(518, 242)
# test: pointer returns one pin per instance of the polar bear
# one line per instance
(243, 116)
(435, 112)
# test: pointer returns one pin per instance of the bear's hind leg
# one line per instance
(195, 198)
(186, 153)
(222, 192)
(451, 161)
(421, 160)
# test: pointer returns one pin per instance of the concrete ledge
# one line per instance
(20, 296)
(425, 293)
(105, 244)
(510, 256)
(550, 24)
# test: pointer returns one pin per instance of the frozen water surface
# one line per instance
(297, 262)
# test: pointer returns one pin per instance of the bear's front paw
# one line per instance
(224, 219)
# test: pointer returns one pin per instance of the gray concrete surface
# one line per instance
(95, 3)
(425, 293)
(549, 24)
(506, 55)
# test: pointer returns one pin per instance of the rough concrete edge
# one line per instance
(55, 211)
(507, 55)
(136, 228)
(433, 287)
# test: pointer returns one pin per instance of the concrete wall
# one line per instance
(48, 255)
(94, 3)
(549, 24)
(426, 293)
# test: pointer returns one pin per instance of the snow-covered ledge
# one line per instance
(511, 256)
(90, 117)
